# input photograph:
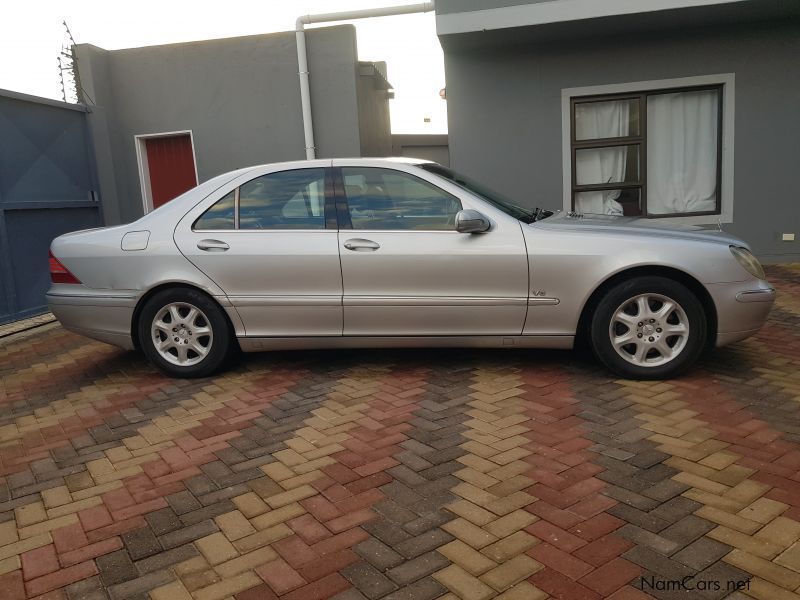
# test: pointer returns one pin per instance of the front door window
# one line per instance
(383, 199)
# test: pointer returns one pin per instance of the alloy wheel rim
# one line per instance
(649, 330)
(182, 334)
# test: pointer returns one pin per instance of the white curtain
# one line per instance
(597, 120)
(682, 152)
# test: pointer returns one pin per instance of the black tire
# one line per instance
(689, 350)
(222, 342)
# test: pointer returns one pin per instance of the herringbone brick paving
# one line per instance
(400, 475)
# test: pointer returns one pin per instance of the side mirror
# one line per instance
(471, 221)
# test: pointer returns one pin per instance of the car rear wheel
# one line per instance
(184, 333)
(649, 328)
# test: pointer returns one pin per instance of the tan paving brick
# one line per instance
(216, 548)
(8, 533)
(510, 572)
(246, 562)
(477, 463)
(30, 543)
(467, 557)
(250, 505)
(56, 496)
(73, 507)
(292, 496)
(95, 490)
(751, 544)
(227, 587)
(463, 584)
(300, 480)
(278, 471)
(510, 523)
(728, 520)
(196, 564)
(763, 510)
(523, 591)
(279, 515)
(476, 478)
(747, 491)
(764, 590)
(470, 534)
(234, 525)
(790, 558)
(508, 504)
(701, 483)
(9, 564)
(472, 512)
(263, 537)
(47, 526)
(509, 547)
(509, 485)
(765, 569)
(30, 514)
(720, 502)
(473, 494)
(171, 591)
(780, 531)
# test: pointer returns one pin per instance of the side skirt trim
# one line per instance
(256, 344)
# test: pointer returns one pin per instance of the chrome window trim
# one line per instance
(228, 231)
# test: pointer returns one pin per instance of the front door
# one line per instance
(407, 272)
(267, 245)
(170, 166)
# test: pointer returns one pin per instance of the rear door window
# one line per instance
(284, 200)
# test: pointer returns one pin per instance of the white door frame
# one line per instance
(144, 170)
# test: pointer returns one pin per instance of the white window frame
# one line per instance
(144, 170)
(727, 80)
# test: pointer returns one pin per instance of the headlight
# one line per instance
(748, 261)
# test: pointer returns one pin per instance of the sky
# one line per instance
(31, 36)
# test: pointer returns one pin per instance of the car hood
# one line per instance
(647, 228)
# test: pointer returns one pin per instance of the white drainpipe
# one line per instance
(302, 59)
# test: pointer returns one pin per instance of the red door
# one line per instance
(170, 161)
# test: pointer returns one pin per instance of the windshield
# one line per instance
(494, 198)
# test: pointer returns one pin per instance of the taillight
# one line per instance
(59, 273)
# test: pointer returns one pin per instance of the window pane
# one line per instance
(607, 165)
(626, 202)
(682, 139)
(387, 199)
(308, 202)
(284, 200)
(219, 216)
(606, 119)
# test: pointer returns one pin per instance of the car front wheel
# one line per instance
(184, 333)
(649, 328)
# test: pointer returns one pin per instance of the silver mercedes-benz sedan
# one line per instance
(395, 253)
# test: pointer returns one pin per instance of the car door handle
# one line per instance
(212, 245)
(361, 245)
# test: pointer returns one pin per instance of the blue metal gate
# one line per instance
(48, 186)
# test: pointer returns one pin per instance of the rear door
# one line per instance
(408, 272)
(270, 242)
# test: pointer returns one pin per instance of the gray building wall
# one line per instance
(47, 187)
(504, 110)
(427, 146)
(444, 7)
(240, 97)
(373, 91)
